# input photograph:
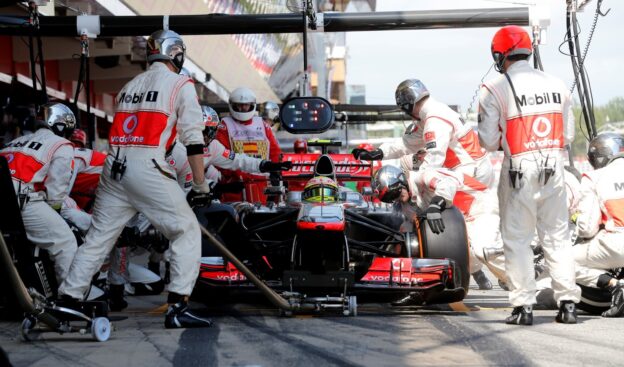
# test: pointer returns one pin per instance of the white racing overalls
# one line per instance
(532, 128)
(601, 203)
(41, 168)
(152, 109)
(448, 141)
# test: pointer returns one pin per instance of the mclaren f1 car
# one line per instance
(322, 246)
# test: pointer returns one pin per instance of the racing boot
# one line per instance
(617, 301)
(116, 301)
(179, 316)
(521, 315)
(567, 313)
(482, 280)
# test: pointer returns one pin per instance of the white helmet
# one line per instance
(59, 118)
(270, 111)
(166, 45)
(240, 96)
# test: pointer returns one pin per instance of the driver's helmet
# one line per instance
(604, 148)
(78, 138)
(58, 118)
(166, 45)
(300, 146)
(388, 182)
(211, 122)
(408, 93)
(366, 146)
(320, 189)
(242, 96)
(270, 111)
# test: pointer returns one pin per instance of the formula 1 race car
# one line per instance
(323, 253)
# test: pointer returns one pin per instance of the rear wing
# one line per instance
(347, 168)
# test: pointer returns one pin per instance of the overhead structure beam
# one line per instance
(211, 24)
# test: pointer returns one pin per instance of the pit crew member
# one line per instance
(437, 129)
(270, 115)
(528, 114)
(41, 166)
(245, 133)
(600, 220)
(152, 109)
(88, 166)
(430, 190)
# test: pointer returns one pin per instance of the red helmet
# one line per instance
(508, 41)
(366, 146)
(300, 146)
(79, 138)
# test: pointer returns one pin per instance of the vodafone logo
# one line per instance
(396, 263)
(130, 124)
(542, 127)
(10, 158)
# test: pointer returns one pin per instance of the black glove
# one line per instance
(198, 199)
(373, 155)
(434, 214)
(268, 166)
(200, 195)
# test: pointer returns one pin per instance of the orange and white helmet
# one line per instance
(320, 189)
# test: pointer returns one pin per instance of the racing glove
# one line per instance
(200, 195)
(268, 166)
(434, 214)
(373, 155)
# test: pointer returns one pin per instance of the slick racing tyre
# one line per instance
(594, 300)
(450, 244)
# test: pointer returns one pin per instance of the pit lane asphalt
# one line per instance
(464, 334)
